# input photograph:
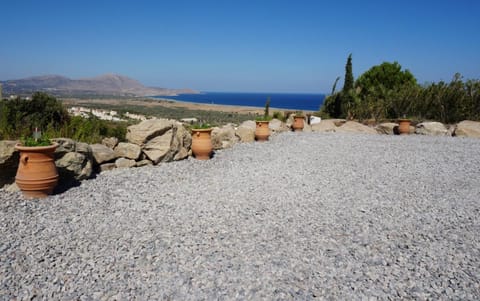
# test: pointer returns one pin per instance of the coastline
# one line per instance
(169, 103)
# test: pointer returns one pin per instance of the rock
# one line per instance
(325, 126)
(249, 124)
(181, 143)
(146, 130)
(12, 188)
(74, 166)
(432, 128)
(110, 142)
(245, 133)
(128, 150)
(171, 145)
(157, 148)
(102, 153)
(468, 128)
(74, 161)
(83, 148)
(387, 128)
(144, 162)
(224, 137)
(355, 127)
(277, 126)
(124, 163)
(107, 166)
(65, 145)
(8, 162)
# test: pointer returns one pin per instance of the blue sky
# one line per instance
(263, 46)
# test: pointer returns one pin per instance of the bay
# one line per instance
(289, 101)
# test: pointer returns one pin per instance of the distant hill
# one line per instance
(104, 85)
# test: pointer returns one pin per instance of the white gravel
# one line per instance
(305, 216)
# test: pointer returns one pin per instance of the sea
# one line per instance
(287, 101)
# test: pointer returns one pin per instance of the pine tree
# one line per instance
(348, 83)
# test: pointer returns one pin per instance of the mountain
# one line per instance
(104, 85)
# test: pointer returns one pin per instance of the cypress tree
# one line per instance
(348, 83)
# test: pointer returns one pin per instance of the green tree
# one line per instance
(348, 82)
(379, 88)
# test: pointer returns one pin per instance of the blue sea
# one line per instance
(289, 101)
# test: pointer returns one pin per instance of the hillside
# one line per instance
(107, 85)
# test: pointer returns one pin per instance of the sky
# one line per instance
(239, 45)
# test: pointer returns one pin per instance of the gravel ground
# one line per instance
(305, 216)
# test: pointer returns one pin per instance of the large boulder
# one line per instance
(74, 167)
(8, 162)
(246, 131)
(170, 145)
(277, 126)
(355, 127)
(468, 128)
(128, 150)
(325, 126)
(431, 128)
(74, 160)
(146, 130)
(102, 153)
(224, 137)
(387, 128)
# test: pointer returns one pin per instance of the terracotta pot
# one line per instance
(404, 126)
(262, 132)
(298, 123)
(37, 174)
(202, 143)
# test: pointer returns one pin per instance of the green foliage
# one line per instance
(31, 141)
(18, 118)
(201, 126)
(386, 92)
(279, 116)
(348, 83)
(263, 118)
(266, 112)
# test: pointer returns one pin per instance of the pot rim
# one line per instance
(20, 147)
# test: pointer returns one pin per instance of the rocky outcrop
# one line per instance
(387, 128)
(355, 127)
(128, 150)
(468, 128)
(224, 137)
(102, 153)
(431, 128)
(8, 162)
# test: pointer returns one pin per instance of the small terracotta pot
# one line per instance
(37, 174)
(202, 143)
(404, 126)
(298, 123)
(262, 132)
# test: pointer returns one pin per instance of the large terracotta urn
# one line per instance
(298, 123)
(37, 174)
(202, 143)
(404, 126)
(262, 131)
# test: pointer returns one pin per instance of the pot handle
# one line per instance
(24, 159)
